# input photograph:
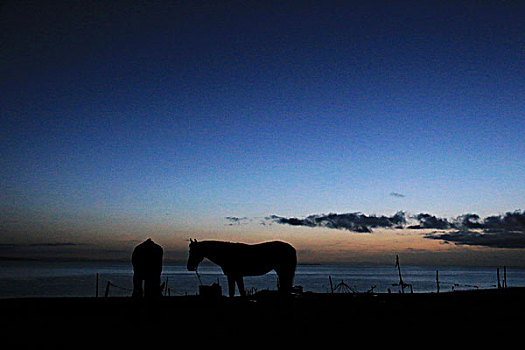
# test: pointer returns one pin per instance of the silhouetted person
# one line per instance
(147, 267)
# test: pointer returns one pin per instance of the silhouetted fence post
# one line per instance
(437, 280)
(504, 276)
(331, 284)
(96, 290)
(106, 294)
(497, 273)
(401, 283)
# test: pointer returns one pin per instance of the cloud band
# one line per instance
(501, 231)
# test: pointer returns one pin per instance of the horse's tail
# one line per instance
(287, 269)
(294, 261)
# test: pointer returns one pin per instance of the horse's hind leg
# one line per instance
(137, 286)
(285, 280)
(231, 285)
(232, 279)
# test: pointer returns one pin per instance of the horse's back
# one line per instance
(280, 249)
(147, 256)
(258, 259)
(279, 253)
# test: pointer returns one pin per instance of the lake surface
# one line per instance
(78, 279)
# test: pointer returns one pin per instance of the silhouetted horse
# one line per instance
(147, 267)
(238, 260)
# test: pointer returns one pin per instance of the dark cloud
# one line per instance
(68, 244)
(45, 244)
(468, 221)
(503, 231)
(234, 220)
(41, 250)
(426, 221)
(395, 194)
(510, 222)
(355, 222)
(486, 239)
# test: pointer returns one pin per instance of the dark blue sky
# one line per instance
(181, 113)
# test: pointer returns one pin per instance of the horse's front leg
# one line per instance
(240, 284)
(231, 285)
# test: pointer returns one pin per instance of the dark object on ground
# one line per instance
(211, 291)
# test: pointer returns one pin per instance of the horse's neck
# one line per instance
(215, 252)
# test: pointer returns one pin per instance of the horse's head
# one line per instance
(195, 256)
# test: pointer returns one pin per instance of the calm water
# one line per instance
(78, 279)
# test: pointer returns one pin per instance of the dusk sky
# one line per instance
(255, 120)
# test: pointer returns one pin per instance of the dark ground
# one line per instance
(414, 320)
